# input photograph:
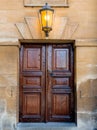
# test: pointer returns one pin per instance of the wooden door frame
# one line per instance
(50, 41)
(55, 41)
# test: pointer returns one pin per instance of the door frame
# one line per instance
(54, 41)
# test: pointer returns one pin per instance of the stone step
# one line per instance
(46, 126)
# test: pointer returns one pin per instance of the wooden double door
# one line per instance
(46, 83)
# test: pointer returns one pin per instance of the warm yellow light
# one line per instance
(47, 18)
(46, 14)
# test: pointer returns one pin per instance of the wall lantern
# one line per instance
(46, 16)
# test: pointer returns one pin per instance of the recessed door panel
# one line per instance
(32, 82)
(61, 100)
(61, 59)
(60, 82)
(32, 59)
(32, 104)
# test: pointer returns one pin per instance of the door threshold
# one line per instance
(49, 124)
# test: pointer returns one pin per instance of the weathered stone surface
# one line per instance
(6, 125)
(59, 25)
(24, 30)
(69, 30)
(8, 80)
(11, 106)
(2, 106)
(11, 5)
(9, 30)
(11, 91)
(0, 124)
(41, 3)
(34, 26)
(2, 92)
(86, 63)
(11, 95)
(9, 58)
(8, 122)
(87, 96)
(87, 120)
(88, 89)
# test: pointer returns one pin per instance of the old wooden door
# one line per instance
(46, 83)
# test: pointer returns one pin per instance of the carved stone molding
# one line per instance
(62, 28)
(58, 3)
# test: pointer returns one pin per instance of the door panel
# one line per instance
(31, 101)
(32, 89)
(60, 89)
(32, 82)
(60, 58)
(46, 83)
(32, 59)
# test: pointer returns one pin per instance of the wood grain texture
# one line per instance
(31, 104)
(31, 59)
(46, 83)
(60, 83)
(61, 60)
(32, 90)
(61, 100)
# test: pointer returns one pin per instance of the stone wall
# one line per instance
(8, 86)
(78, 22)
(86, 82)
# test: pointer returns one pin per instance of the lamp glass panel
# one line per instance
(43, 20)
(46, 18)
(49, 18)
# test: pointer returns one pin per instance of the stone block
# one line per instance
(87, 96)
(88, 88)
(12, 4)
(8, 122)
(11, 91)
(94, 119)
(34, 27)
(2, 92)
(11, 106)
(86, 65)
(8, 80)
(58, 27)
(8, 30)
(69, 30)
(2, 106)
(84, 121)
(24, 30)
(6, 125)
(9, 58)
(11, 16)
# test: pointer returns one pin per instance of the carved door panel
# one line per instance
(60, 83)
(32, 81)
(46, 83)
